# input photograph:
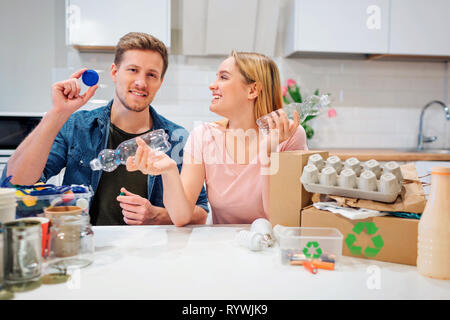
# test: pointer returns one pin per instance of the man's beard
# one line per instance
(128, 107)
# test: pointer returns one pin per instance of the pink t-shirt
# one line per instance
(234, 190)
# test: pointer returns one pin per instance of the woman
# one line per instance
(229, 155)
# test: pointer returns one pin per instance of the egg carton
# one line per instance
(353, 179)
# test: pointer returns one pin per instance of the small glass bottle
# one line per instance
(433, 247)
(71, 242)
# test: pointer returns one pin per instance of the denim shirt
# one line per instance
(85, 134)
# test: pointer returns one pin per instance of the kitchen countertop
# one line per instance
(388, 155)
(204, 262)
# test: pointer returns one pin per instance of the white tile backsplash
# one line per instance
(378, 103)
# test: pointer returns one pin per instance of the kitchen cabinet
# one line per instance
(101, 23)
(420, 27)
(228, 28)
(339, 26)
(215, 27)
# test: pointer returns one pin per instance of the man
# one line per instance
(67, 139)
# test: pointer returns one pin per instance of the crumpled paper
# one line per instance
(350, 213)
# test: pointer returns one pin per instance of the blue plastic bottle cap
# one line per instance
(90, 77)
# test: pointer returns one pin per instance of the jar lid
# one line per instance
(443, 171)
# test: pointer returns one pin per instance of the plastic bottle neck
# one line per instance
(96, 164)
(440, 186)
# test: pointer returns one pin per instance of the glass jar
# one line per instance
(71, 242)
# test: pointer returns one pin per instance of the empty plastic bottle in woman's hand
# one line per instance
(108, 159)
(312, 106)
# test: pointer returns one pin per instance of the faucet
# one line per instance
(423, 139)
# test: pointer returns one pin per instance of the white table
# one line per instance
(204, 262)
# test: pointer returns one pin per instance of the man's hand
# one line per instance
(66, 96)
(137, 210)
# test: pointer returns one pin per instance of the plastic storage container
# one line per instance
(310, 242)
(32, 201)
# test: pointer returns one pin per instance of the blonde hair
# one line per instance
(141, 41)
(260, 69)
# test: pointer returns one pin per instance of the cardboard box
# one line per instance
(389, 238)
(287, 195)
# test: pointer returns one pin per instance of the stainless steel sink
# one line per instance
(440, 151)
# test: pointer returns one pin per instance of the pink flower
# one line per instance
(284, 90)
(332, 113)
(291, 83)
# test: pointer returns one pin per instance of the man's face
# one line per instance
(137, 78)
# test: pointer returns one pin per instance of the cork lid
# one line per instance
(441, 171)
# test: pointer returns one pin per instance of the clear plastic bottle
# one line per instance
(433, 247)
(312, 106)
(108, 159)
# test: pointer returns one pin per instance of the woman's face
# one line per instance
(229, 90)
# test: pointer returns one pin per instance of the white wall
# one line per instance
(27, 54)
(378, 102)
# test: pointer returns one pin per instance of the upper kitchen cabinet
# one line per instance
(420, 27)
(100, 24)
(337, 26)
(215, 27)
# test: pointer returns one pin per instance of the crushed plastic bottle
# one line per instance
(108, 160)
(312, 106)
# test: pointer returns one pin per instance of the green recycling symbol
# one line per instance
(371, 229)
(314, 244)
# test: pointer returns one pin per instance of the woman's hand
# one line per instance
(281, 123)
(149, 161)
(280, 129)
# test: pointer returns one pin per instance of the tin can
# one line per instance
(22, 251)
